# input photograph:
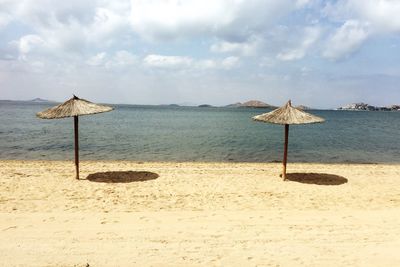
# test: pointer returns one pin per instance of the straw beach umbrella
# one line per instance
(287, 115)
(74, 107)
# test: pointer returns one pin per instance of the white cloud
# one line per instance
(97, 60)
(4, 20)
(230, 62)
(227, 63)
(382, 15)
(290, 55)
(346, 40)
(122, 58)
(247, 48)
(160, 61)
(361, 20)
(207, 64)
(119, 59)
(73, 26)
(301, 3)
(227, 19)
(106, 23)
(188, 63)
(311, 35)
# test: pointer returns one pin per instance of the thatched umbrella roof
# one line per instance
(288, 115)
(73, 107)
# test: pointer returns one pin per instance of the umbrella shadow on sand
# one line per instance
(316, 178)
(122, 176)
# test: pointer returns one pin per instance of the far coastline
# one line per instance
(359, 106)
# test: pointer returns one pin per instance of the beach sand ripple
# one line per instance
(198, 214)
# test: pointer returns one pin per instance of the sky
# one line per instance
(318, 53)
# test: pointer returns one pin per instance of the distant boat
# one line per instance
(36, 100)
(235, 105)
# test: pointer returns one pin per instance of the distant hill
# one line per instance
(302, 107)
(36, 100)
(204, 106)
(163, 105)
(251, 104)
(187, 104)
(39, 100)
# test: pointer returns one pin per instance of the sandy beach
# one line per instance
(198, 214)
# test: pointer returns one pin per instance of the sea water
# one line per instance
(167, 133)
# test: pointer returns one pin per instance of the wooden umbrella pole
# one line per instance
(285, 151)
(76, 146)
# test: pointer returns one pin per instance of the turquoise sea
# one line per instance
(164, 133)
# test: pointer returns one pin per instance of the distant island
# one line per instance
(367, 107)
(251, 104)
(35, 100)
(205, 106)
(39, 100)
(302, 107)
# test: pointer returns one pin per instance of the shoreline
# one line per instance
(198, 214)
(200, 162)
